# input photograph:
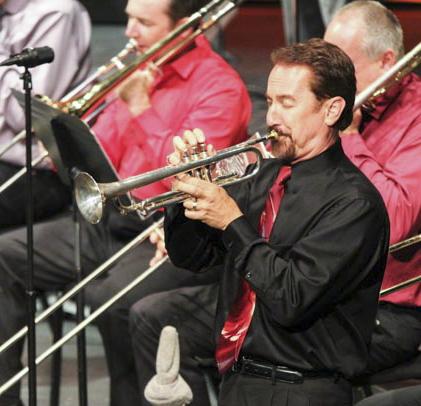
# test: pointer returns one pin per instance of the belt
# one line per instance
(276, 373)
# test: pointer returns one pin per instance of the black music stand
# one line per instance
(72, 148)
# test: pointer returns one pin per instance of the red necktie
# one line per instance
(239, 317)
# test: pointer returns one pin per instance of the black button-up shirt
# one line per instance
(317, 278)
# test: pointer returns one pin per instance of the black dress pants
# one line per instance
(245, 390)
(191, 311)
(50, 196)
(54, 270)
(396, 337)
(410, 396)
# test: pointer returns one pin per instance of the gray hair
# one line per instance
(383, 29)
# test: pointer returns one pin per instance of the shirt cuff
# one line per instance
(239, 238)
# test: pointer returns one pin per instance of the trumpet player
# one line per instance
(384, 141)
(195, 88)
(301, 246)
(65, 27)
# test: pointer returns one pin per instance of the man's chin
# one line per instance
(283, 150)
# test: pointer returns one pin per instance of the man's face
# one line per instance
(295, 114)
(148, 21)
(348, 34)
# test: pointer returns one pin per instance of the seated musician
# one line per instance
(384, 142)
(65, 27)
(301, 247)
(197, 88)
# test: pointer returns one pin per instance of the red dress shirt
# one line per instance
(388, 152)
(197, 90)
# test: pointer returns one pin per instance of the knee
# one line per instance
(145, 317)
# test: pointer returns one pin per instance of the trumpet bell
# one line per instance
(89, 197)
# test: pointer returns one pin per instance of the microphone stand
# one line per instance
(30, 293)
(80, 304)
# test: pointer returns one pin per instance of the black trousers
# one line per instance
(54, 270)
(191, 311)
(396, 337)
(410, 396)
(50, 196)
(245, 390)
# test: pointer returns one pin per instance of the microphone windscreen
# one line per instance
(167, 387)
(45, 55)
(168, 356)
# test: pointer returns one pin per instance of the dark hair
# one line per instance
(333, 72)
(184, 8)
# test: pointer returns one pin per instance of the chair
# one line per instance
(55, 322)
(211, 377)
(402, 372)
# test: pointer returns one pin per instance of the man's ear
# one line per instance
(333, 110)
(388, 59)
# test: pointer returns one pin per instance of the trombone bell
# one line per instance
(89, 197)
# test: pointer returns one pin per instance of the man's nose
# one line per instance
(131, 31)
(272, 116)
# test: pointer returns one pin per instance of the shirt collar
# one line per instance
(384, 101)
(14, 6)
(319, 163)
(187, 63)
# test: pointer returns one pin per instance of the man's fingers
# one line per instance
(190, 138)
(193, 186)
(179, 144)
(161, 246)
(198, 133)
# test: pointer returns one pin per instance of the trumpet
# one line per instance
(91, 196)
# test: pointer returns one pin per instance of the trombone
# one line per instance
(394, 75)
(87, 100)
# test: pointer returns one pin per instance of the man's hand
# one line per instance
(355, 125)
(209, 203)
(184, 144)
(135, 91)
(157, 237)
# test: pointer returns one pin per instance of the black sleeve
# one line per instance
(323, 267)
(191, 244)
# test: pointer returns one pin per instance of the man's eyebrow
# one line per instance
(281, 97)
(285, 97)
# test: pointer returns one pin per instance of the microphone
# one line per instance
(167, 387)
(30, 57)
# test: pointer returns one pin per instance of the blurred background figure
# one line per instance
(305, 19)
(65, 27)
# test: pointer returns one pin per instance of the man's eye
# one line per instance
(287, 104)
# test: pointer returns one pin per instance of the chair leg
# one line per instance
(56, 323)
(368, 391)
(212, 390)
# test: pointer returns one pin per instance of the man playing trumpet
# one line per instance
(301, 247)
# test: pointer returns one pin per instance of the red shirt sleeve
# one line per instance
(397, 180)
